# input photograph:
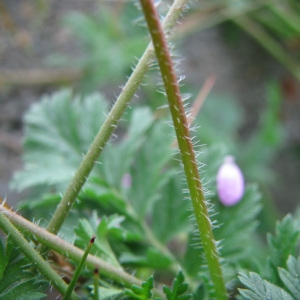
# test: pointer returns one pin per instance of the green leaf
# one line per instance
(17, 280)
(259, 289)
(99, 227)
(4, 259)
(237, 227)
(171, 213)
(283, 244)
(290, 277)
(58, 131)
(149, 172)
(108, 293)
(117, 158)
(142, 292)
(179, 287)
(152, 259)
(103, 196)
(107, 44)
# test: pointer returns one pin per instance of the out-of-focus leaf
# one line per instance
(58, 131)
(108, 50)
(282, 244)
(290, 277)
(108, 293)
(178, 290)
(236, 227)
(261, 289)
(152, 259)
(149, 172)
(117, 158)
(108, 198)
(171, 213)
(142, 292)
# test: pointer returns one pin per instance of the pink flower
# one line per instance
(230, 182)
(126, 181)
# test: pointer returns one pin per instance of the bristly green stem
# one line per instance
(108, 126)
(185, 146)
(34, 256)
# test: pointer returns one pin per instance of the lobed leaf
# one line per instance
(283, 244)
(261, 289)
(171, 212)
(152, 258)
(99, 227)
(58, 131)
(142, 292)
(237, 228)
(149, 172)
(291, 276)
(17, 279)
(178, 290)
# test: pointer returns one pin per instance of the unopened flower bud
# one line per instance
(230, 182)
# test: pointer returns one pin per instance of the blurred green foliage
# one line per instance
(110, 41)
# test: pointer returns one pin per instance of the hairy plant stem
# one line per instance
(33, 255)
(185, 146)
(68, 250)
(108, 126)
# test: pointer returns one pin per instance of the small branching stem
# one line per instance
(66, 249)
(185, 146)
(108, 126)
(96, 284)
(76, 274)
(269, 43)
(33, 255)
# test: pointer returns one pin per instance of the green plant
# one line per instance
(131, 199)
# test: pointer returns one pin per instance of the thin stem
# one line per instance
(211, 16)
(68, 250)
(201, 97)
(96, 284)
(185, 146)
(270, 44)
(76, 274)
(33, 255)
(108, 126)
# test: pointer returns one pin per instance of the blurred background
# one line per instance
(247, 51)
